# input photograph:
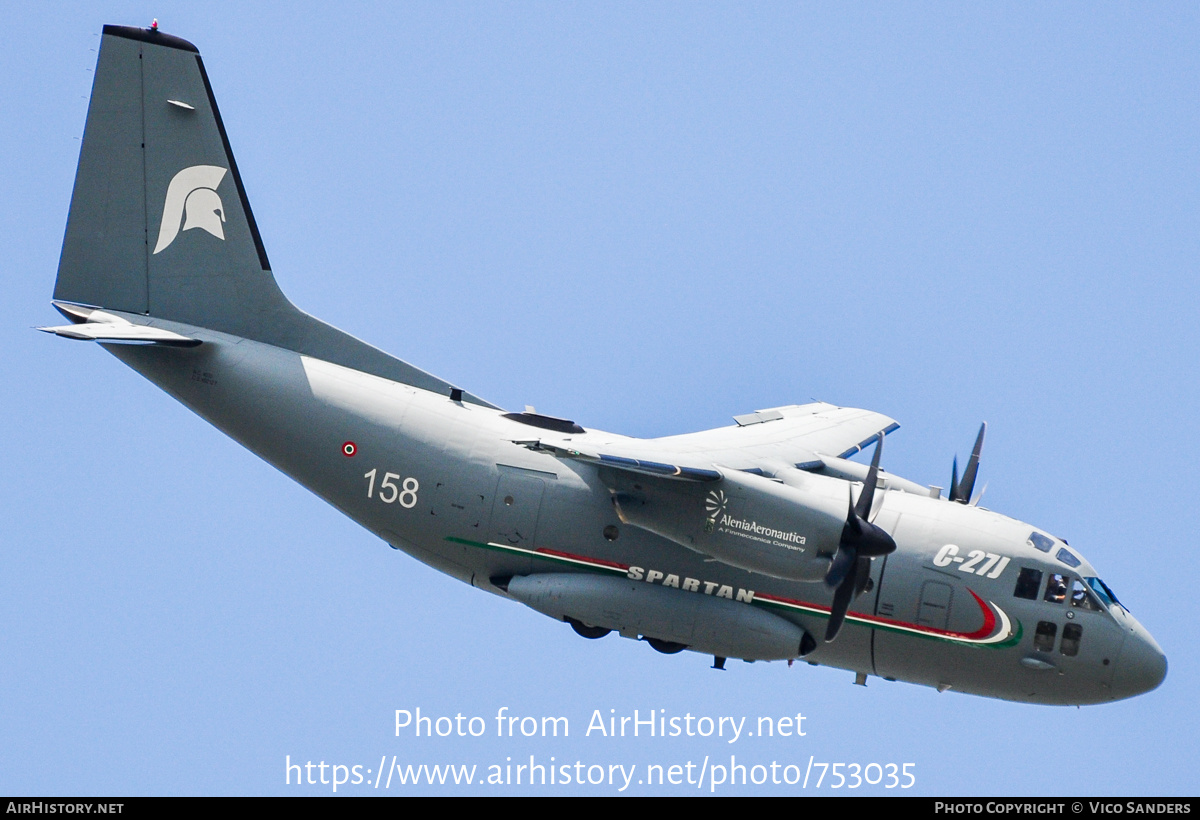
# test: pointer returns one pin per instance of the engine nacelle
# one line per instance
(744, 520)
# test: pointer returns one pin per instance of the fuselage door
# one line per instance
(934, 610)
(515, 509)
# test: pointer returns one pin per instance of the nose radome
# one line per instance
(1141, 667)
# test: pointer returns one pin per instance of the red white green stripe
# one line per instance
(554, 556)
(997, 631)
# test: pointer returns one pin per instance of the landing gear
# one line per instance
(585, 631)
(665, 647)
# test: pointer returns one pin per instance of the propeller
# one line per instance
(850, 569)
(961, 492)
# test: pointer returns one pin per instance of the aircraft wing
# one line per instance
(794, 435)
(632, 461)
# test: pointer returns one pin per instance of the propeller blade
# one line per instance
(841, 604)
(863, 508)
(850, 569)
(962, 491)
(979, 497)
(968, 479)
(843, 561)
(862, 575)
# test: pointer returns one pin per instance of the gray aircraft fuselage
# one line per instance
(743, 542)
(467, 500)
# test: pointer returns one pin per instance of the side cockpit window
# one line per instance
(1029, 581)
(1082, 598)
(1056, 589)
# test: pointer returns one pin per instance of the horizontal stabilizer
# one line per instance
(101, 326)
(102, 332)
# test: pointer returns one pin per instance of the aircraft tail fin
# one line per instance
(160, 224)
(159, 221)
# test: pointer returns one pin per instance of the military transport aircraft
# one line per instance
(758, 541)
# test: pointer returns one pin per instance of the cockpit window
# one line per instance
(1042, 542)
(1056, 589)
(1103, 592)
(1081, 597)
(1067, 557)
(1028, 582)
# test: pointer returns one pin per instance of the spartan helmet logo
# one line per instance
(193, 200)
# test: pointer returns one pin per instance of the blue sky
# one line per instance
(647, 218)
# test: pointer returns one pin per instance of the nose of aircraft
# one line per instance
(1141, 666)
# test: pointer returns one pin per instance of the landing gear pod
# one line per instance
(663, 616)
